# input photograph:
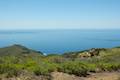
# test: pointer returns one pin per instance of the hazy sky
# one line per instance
(59, 14)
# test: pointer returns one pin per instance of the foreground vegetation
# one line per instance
(38, 64)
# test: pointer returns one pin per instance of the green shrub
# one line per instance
(9, 69)
(74, 67)
(44, 68)
(91, 67)
(40, 71)
(109, 66)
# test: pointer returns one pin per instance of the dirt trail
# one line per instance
(93, 76)
(104, 76)
(64, 76)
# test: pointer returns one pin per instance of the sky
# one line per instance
(59, 14)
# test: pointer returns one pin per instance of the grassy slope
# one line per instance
(16, 59)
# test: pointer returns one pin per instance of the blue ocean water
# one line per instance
(60, 41)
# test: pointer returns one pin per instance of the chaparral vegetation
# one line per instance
(18, 60)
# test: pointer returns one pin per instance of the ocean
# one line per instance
(61, 41)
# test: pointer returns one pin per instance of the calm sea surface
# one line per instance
(60, 41)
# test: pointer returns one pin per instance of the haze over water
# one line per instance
(60, 41)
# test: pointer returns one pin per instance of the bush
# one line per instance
(9, 69)
(109, 66)
(44, 68)
(72, 67)
(40, 71)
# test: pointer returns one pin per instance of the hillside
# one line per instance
(110, 54)
(19, 62)
(17, 49)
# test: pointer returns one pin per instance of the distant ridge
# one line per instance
(17, 49)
